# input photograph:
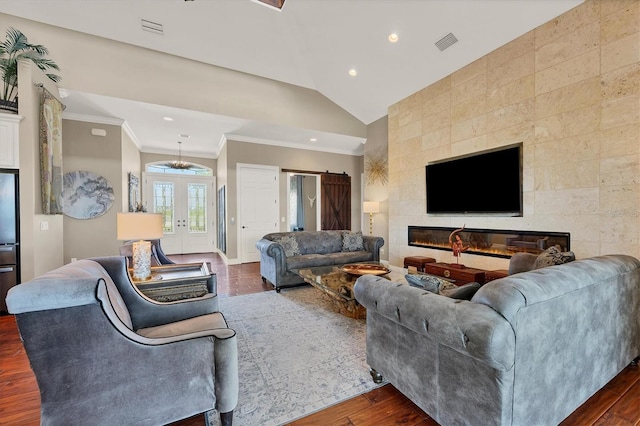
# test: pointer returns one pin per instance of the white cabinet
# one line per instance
(9, 141)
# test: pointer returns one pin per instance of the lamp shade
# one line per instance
(371, 207)
(138, 226)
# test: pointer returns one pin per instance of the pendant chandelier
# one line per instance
(179, 164)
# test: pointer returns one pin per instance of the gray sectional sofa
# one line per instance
(281, 252)
(527, 349)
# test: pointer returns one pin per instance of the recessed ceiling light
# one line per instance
(353, 72)
(393, 37)
(167, 118)
(313, 139)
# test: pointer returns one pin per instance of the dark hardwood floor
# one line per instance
(618, 403)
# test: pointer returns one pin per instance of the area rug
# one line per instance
(296, 355)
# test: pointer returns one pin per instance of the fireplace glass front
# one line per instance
(489, 242)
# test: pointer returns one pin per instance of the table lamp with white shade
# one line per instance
(371, 207)
(140, 226)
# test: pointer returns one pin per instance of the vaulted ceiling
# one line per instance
(308, 43)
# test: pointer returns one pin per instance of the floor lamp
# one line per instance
(140, 226)
(371, 207)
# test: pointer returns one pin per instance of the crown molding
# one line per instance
(221, 143)
(93, 119)
(129, 131)
(240, 138)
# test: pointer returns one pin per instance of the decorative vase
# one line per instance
(10, 107)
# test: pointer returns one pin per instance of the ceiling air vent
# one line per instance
(446, 41)
(152, 27)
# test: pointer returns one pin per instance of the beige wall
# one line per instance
(309, 189)
(40, 251)
(81, 150)
(569, 90)
(248, 153)
(130, 164)
(377, 140)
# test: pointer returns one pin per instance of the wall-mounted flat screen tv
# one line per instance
(483, 183)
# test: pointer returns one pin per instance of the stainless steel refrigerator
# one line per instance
(9, 234)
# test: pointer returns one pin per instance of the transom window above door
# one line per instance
(164, 167)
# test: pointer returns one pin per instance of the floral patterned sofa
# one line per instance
(281, 252)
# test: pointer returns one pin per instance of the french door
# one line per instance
(187, 206)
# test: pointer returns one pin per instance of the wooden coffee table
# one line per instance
(337, 285)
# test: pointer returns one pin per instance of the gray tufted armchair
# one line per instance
(104, 354)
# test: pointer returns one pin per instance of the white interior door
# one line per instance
(258, 207)
(187, 205)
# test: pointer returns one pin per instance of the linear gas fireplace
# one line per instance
(489, 242)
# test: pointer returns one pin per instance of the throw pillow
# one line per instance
(553, 256)
(290, 245)
(431, 283)
(463, 292)
(352, 241)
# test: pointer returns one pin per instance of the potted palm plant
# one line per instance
(13, 48)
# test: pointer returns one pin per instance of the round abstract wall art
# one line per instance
(86, 195)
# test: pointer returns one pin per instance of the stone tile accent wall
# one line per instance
(570, 91)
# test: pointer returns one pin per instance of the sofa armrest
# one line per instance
(146, 312)
(42, 294)
(273, 261)
(466, 327)
(272, 249)
(373, 244)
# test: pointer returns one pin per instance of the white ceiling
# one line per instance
(310, 43)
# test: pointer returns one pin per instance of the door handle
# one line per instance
(8, 269)
(244, 227)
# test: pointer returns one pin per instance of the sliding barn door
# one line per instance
(336, 201)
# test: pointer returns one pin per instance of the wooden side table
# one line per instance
(418, 262)
(460, 275)
(494, 275)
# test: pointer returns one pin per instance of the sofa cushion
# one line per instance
(352, 241)
(190, 325)
(553, 256)
(350, 257)
(290, 245)
(308, 261)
